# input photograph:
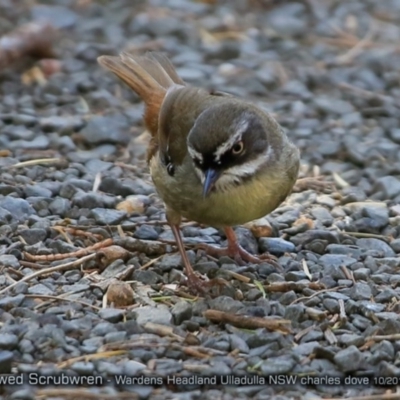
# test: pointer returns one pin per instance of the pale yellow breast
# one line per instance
(254, 199)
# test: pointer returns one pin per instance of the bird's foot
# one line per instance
(318, 183)
(239, 254)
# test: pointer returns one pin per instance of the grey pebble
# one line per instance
(8, 341)
(376, 244)
(83, 368)
(350, 359)
(8, 260)
(111, 314)
(157, 315)
(275, 246)
(32, 236)
(40, 289)
(146, 232)
(98, 130)
(63, 125)
(19, 208)
(277, 365)
(181, 311)
(6, 358)
(105, 216)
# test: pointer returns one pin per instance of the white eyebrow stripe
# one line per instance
(195, 154)
(252, 166)
(224, 147)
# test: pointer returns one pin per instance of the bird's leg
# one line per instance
(195, 284)
(236, 251)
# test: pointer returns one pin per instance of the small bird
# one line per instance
(214, 158)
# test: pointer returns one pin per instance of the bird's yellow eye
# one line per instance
(238, 148)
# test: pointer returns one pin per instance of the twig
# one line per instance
(50, 270)
(378, 338)
(295, 286)
(78, 232)
(94, 356)
(34, 39)
(342, 313)
(150, 263)
(317, 294)
(43, 296)
(34, 162)
(78, 253)
(245, 322)
(357, 49)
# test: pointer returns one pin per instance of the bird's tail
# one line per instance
(150, 76)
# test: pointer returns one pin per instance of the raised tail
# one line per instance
(150, 76)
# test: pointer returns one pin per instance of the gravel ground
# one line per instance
(89, 283)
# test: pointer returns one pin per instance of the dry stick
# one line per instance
(78, 232)
(295, 286)
(78, 253)
(49, 297)
(378, 338)
(317, 294)
(358, 48)
(50, 270)
(247, 322)
(94, 356)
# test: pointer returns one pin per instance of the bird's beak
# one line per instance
(212, 176)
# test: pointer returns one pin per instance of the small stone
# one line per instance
(40, 289)
(376, 244)
(9, 302)
(93, 200)
(8, 260)
(58, 16)
(329, 105)
(111, 314)
(389, 186)
(277, 365)
(170, 261)
(322, 215)
(260, 228)
(226, 304)
(146, 232)
(157, 315)
(349, 359)
(133, 368)
(60, 206)
(147, 277)
(181, 311)
(120, 294)
(361, 291)
(98, 129)
(105, 216)
(134, 204)
(6, 358)
(32, 236)
(276, 246)
(395, 245)
(83, 368)
(8, 341)
(351, 339)
(336, 260)
(63, 125)
(19, 208)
